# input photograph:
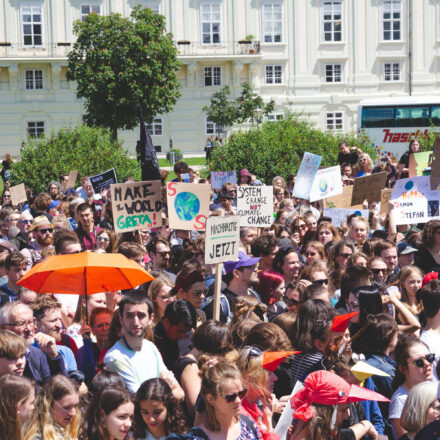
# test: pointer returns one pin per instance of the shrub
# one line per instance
(90, 150)
(277, 148)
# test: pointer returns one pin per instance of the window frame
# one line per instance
(32, 6)
(28, 128)
(220, 23)
(155, 3)
(332, 21)
(333, 76)
(90, 5)
(334, 116)
(273, 74)
(33, 79)
(213, 76)
(208, 122)
(156, 125)
(391, 20)
(272, 33)
(392, 64)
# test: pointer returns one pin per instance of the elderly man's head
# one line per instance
(25, 222)
(18, 317)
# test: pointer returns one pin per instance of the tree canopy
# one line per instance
(118, 62)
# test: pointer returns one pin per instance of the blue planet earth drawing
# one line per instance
(187, 206)
(323, 186)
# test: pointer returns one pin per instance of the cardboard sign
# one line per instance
(218, 178)
(342, 200)
(188, 205)
(103, 180)
(136, 205)
(435, 166)
(222, 239)
(339, 215)
(306, 173)
(255, 205)
(18, 194)
(414, 201)
(368, 188)
(71, 179)
(327, 183)
(418, 162)
(385, 196)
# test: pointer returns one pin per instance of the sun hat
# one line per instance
(40, 221)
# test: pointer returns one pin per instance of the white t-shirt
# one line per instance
(135, 367)
(397, 403)
(432, 339)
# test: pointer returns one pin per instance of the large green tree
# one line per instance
(118, 62)
(248, 107)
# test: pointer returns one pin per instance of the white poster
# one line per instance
(255, 205)
(414, 201)
(339, 215)
(222, 239)
(327, 183)
(306, 173)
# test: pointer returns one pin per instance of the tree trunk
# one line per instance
(114, 133)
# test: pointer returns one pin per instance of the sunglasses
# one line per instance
(200, 293)
(231, 397)
(420, 362)
(321, 282)
(164, 253)
(106, 239)
(45, 230)
(290, 301)
(25, 222)
(378, 271)
(345, 256)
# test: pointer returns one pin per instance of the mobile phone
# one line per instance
(384, 159)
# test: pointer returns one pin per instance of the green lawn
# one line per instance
(189, 160)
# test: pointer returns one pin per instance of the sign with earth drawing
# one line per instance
(188, 205)
(327, 183)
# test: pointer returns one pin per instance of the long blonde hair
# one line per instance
(41, 422)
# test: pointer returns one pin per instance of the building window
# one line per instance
(391, 71)
(35, 129)
(33, 79)
(156, 128)
(213, 76)
(272, 117)
(391, 20)
(274, 74)
(332, 20)
(32, 25)
(88, 9)
(272, 22)
(154, 6)
(333, 73)
(211, 20)
(211, 127)
(334, 121)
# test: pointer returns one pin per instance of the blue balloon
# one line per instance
(187, 206)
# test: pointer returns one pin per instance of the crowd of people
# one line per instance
(305, 307)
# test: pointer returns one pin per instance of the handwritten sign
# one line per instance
(414, 201)
(136, 205)
(385, 196)
(255, 205)
(103, 180)
(327, 183)
(18, 194)
(306, 173)
(71, 179)
(222, 239)
(218, 178)
(339, 215)
(188, 205)
(368, 188)
(418, 162)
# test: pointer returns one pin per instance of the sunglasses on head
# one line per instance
(321, 282)
(45, 230)
(253, 352)
(420, 362)
(231, 397)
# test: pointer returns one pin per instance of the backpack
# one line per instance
(224, 306)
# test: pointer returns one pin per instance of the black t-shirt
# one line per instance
(404, 160)
(350, 158)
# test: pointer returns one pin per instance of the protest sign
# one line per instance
(385, 196)
(218, 178)
(136, 205)
(327, 183)
(71, 179)
(339, 215)
(306, 173)
(435, 166)
(103, 180)
(368, 188)
(188, 205)
(414, 201)
(342, 200)
(418, 162)
(222, 239)
(255, 205)
(18, 194)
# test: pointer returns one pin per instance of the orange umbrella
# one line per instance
(85, 273)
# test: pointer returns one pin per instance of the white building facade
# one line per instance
(315, 57)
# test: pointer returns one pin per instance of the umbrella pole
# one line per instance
(87, 299)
